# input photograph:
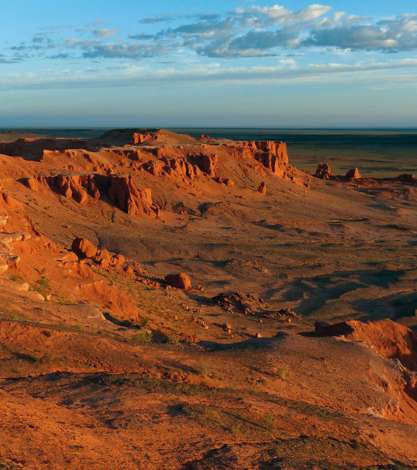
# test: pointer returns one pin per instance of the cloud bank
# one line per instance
(258, 31)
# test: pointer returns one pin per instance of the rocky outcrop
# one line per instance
(206, 163)
(86, 250)
(125, 195)
(176, 167)
(140, 138)
(189, 167)
(272, 155)
(120, 191)
(323, 171)
(7, 257)
(127, 136)
(225, 181)
(83, 248)
(353, 174)
(388, 338)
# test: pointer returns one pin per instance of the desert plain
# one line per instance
(192, 302)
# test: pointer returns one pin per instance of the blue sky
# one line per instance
(208, 63)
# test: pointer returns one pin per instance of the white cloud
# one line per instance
(103, 33)
(257, 31)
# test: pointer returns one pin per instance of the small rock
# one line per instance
(3, 220)
(262, 188)
(24, 287)
(3, 268)
(36, 296)
(129, 270)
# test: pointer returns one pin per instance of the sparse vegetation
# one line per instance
(10, 466)
(143, 337)
(42, 286)
(268, 421)
(283, 373)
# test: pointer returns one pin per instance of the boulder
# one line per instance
(179, 281)
(83, 248)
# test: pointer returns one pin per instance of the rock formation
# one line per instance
(272, 155)
(121, 191)
(323, 171)
(189, 167)
(206, 163)
(125, 195)
(353, 174)
(388, 338)
(86, 250)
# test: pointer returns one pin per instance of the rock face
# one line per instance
(272, 155)
(121, 191)
(323, 171)
(206, 163)
(189, 167)
(176, 167)
(140, 138)
(353, 174)
(125, 195)
(180, 281)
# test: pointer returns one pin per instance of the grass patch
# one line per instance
(12, 316)
(143, 337)
(63, 301)
(215, 418)
(283, 373)
(268, 421)
(10, 466)
(148, 384)
(148, 336)
(42, 286)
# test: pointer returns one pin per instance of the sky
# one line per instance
(212, 63)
